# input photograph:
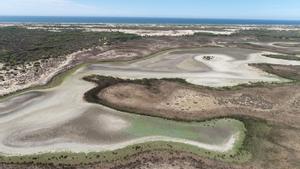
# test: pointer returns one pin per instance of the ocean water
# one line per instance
(139, 20)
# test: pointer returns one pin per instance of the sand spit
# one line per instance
(145, 32)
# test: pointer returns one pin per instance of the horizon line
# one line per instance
(152, 17)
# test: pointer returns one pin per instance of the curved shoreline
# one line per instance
(153, 139)
(229, 146)
(227, 152)
(57, 79)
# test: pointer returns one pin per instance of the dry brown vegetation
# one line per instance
(269, 111)
(177, 100)
(158, 159)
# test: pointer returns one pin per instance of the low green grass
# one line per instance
(259, 142)
(145, 126)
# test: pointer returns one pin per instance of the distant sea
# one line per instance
(139, 20)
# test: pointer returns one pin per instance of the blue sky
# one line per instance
(243, 9)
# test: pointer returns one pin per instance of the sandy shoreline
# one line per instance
(38, 126)
(20, 125)
(82, 148)
(223, 70)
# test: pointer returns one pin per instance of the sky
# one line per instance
(234, 9)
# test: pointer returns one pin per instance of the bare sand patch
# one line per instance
(113, 123)
(222, 70)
